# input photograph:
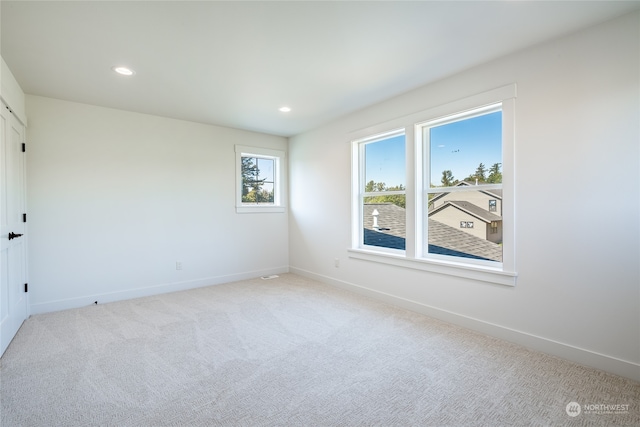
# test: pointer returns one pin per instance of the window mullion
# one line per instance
(479, 187)
(410, 198)
(383, 193)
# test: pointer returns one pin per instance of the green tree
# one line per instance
(447, 179)
(396, 199)
(375, 186)
(251, 184)
(480, 174)
(264, 196)
(495, 176)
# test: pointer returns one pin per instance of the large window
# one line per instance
(259, 180)
(381, 188)
(462, 177)
(437, 193)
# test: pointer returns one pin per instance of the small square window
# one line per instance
(259, 180)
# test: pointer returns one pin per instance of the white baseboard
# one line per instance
(565, 351)
(102, 298)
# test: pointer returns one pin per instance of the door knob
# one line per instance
(13, 235)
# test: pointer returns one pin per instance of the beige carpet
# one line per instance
(287, 351)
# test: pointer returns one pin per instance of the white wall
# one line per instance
(577, 207)
(11, 92)
(116, 198)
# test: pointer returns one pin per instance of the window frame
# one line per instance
(278, 157)
(360, 184)
(504, 273)
(423, 145)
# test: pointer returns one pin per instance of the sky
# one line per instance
(385, 161)
(265, 166)
(265, 171)
(460, 147)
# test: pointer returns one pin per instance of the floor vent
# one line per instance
(273, 276)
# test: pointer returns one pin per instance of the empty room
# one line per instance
(320, 213)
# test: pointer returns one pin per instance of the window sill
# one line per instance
(260, 209)
(480, 273)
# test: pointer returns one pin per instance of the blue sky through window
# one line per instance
(385, 161)
(461, 146)
(265, 166)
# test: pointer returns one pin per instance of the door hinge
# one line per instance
(26, 287)
(24, 147)
(24, 217)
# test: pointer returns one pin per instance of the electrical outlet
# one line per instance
(178, 265)
(336, 263)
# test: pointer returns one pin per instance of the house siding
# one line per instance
(478, 198)
(452, 217)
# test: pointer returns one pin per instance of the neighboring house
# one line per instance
(475, 212)
(443, 239)
(469, 218)
(489, 200)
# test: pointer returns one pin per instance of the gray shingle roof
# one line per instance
(391, 218)
(446, 240)
(443, 239)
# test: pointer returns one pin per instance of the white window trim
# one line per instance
(278, 157)
(503, 274)
(358, 189)
(465, 270)
(423, 185)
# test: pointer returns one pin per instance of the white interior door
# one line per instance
(13, 271)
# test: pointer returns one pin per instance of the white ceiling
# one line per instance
(235, 63)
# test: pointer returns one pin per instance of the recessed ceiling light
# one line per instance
(285, 109)
(124, 71)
